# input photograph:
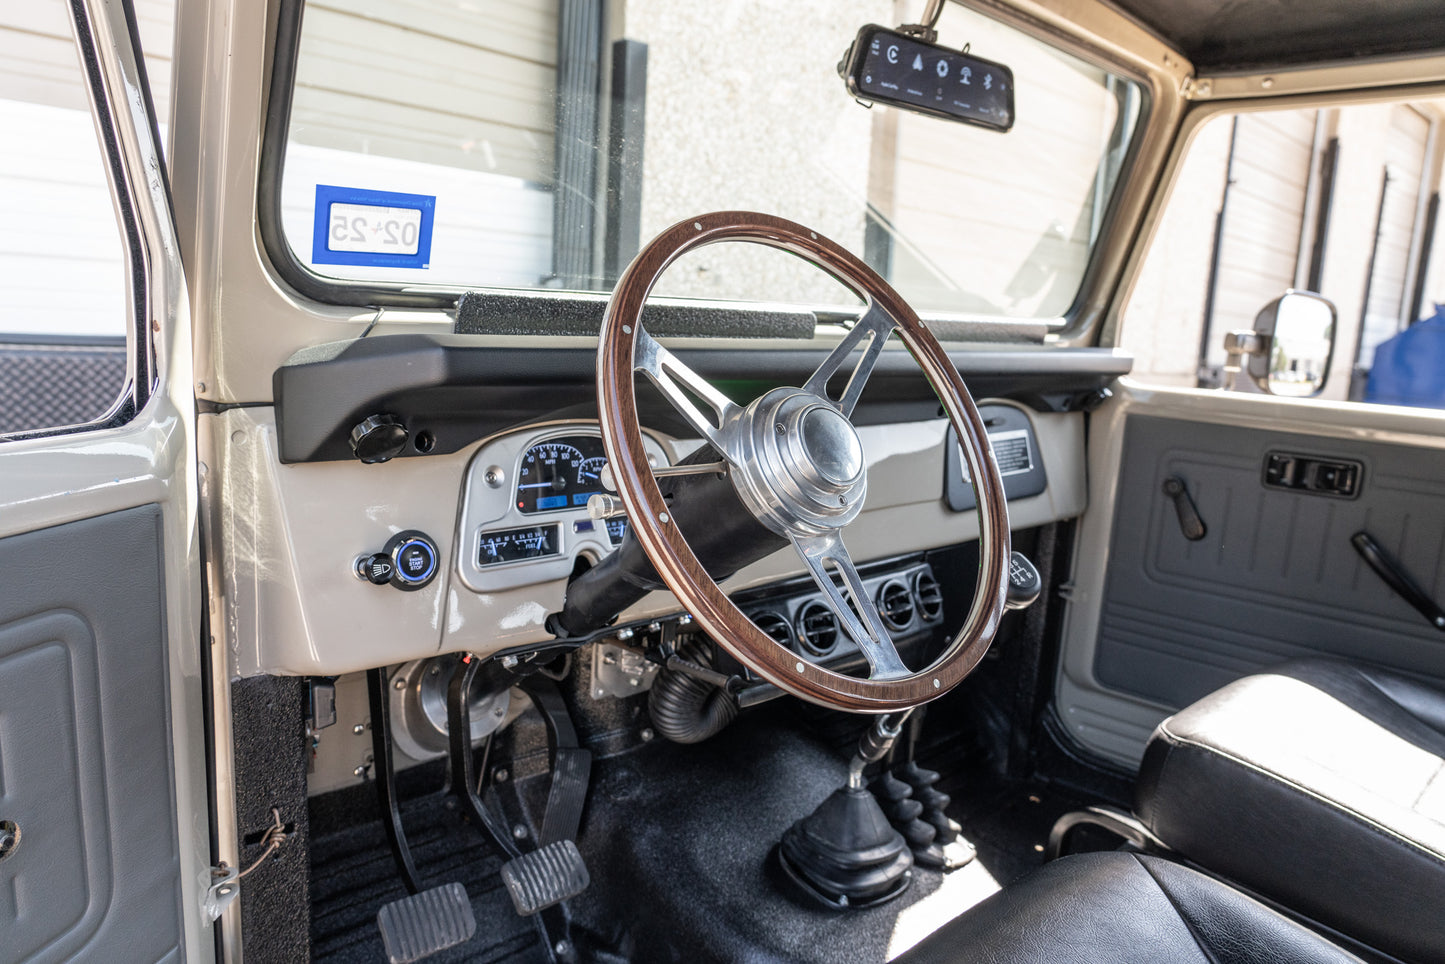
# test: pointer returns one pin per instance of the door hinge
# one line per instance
(1194, 88)
(225, 885)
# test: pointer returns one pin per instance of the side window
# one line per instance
(1339, 201)
(63, 351)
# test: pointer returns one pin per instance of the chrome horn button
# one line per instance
(831, 443)
(802, 467)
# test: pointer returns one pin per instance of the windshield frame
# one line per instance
(324, 289)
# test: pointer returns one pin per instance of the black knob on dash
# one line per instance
(378, 438)
(377, 569)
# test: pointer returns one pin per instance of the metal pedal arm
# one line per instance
(463, 765)
(376, 684)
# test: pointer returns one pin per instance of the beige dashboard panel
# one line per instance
(289, 535)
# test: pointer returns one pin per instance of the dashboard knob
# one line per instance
(375, 568)
(378, 438)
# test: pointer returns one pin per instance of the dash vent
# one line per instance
(775, 627)
(817, 628)
(895, 604)
(930, 596)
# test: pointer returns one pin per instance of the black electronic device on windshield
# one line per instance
(892, 67)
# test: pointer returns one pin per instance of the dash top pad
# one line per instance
(525, 313)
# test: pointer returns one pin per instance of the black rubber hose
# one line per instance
(685, 709)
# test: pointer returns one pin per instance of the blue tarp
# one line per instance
(1409, 369)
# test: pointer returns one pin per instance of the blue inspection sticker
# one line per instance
(372, 228)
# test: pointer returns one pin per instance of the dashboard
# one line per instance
(507, 517)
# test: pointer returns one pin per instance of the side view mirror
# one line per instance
(1290, 348)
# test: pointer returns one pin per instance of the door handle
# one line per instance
(1395, 576)
(1189, 521)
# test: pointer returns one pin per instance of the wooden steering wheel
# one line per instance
(796, 462)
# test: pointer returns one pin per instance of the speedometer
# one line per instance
(560, 474)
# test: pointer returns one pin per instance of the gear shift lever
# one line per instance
(845, 853)
(1024, 582)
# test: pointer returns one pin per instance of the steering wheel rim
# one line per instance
(625, 348)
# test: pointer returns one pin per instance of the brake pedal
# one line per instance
(423, 924)
(540, 878)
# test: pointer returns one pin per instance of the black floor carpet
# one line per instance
(679, 843)
(353, 875)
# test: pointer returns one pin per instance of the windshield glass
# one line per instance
(483, 143)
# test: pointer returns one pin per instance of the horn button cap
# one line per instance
(803, 468)
(831, 444)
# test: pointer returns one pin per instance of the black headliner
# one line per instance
(1223, 35)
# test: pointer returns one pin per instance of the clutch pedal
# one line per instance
(541, 878)
(420, 925)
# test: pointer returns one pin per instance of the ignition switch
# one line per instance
(409, 561)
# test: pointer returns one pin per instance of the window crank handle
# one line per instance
(1189, 521)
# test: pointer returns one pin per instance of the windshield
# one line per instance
(479, 143)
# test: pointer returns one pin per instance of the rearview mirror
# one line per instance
(1289, 349)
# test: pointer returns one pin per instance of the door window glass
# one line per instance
(62, 263)
(1339, 201)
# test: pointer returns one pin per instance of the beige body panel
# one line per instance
(293, 605)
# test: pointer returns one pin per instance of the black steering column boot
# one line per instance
(846, 853)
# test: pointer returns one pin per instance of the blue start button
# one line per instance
(413, 557)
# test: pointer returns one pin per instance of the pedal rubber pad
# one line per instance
(568, 795)
(420, 925)
(547, 876)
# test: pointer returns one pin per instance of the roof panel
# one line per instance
(1224, 35)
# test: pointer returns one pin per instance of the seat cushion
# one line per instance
(1319, 784)
(1126, 909)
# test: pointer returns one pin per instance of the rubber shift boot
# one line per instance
(845, 853)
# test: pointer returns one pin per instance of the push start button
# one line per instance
(409, 561)
(416, 561)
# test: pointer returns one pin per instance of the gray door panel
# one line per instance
(1275, 576)
(85, 760)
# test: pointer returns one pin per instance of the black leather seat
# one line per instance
(1122, 908)
(1321, 785)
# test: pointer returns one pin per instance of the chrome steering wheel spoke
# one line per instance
(869, 633)
(676, 380)
(871, 331)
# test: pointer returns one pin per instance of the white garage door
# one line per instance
(57, 226)
(1260, 249)
(454, 101)
(1405, 148)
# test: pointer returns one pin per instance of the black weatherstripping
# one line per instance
(460, 389)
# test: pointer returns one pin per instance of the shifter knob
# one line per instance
(1024, 582)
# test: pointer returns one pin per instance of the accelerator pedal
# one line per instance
(423, 924)
(541, 878)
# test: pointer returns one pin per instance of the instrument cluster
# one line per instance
(524, 519)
